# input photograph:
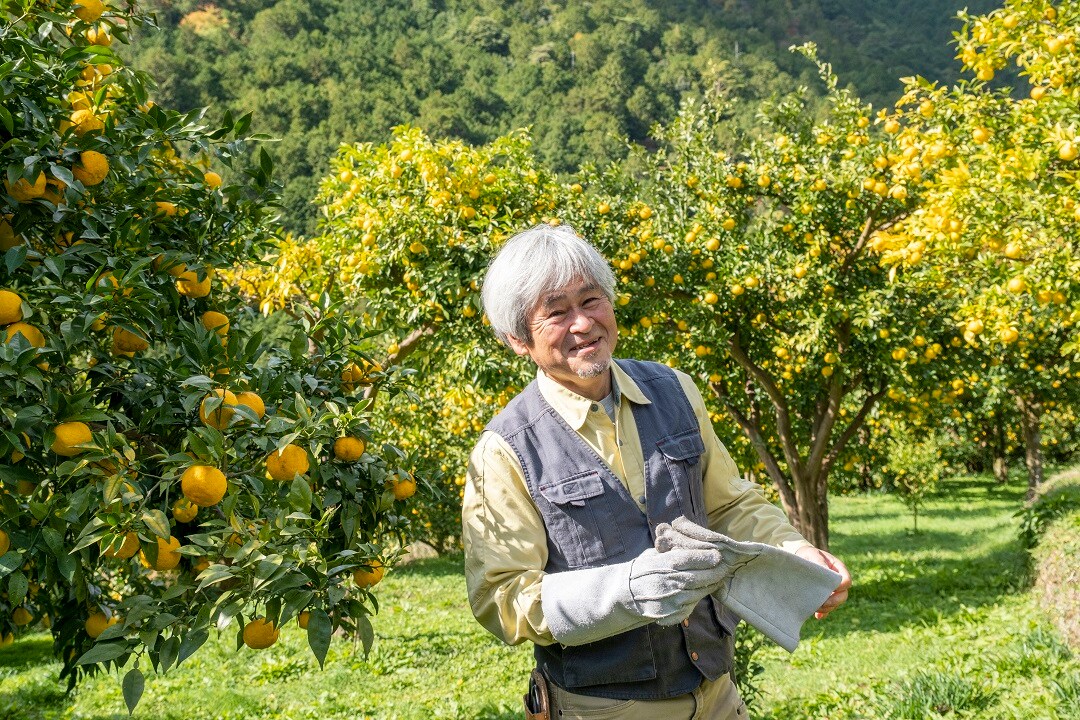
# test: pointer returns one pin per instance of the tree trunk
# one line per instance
(1030, 421)
(812, 516)
(866, 473)
(997, 448)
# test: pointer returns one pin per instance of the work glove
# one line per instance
(773, 590)
(583, 606)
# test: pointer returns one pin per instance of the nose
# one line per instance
(582, 322)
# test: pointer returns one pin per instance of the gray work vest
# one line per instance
(591, 520)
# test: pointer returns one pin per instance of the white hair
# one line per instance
(532, 264)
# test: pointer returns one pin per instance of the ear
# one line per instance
(517, 345)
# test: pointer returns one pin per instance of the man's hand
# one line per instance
(820, 557)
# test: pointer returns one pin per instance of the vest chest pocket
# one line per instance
(682, 457)
(581, 518)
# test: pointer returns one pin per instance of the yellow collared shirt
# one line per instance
(503, 531)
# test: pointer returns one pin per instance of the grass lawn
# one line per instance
(941, 619)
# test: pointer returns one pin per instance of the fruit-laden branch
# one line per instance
(757, 439)
(869, 228)
(783, 417)
(405, 348)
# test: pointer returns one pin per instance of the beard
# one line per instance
(594, 369)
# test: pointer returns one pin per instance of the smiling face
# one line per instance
(573, 336)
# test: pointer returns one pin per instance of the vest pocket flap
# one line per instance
(683, 447)
(574, 490)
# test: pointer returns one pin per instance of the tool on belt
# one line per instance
(536, 700)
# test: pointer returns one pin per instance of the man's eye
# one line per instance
(556, 313)
(589, 302)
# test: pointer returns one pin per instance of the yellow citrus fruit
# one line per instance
(97, 623)
(201, 564)
(164, 208)
(212, 180)
(365, 577)
(127, 548)
(172, 266)
(253, 401)
(291, 461)
(25, 487)
(403, 488)
(98, 36)
(349, 449)
(89, 11)
(220, 416)
(260, 633)
(68, 436)
(8, 238)
(1017, 285)
(204, 485)
(10, 307)
(23, 191)
(91, 168)
(6, 640)
(5, 542)
(126, 341)
(184, 510)
(21, 616)
(303, 619)
(189, 285)
(85, 121)
(215, 322)
(354, 374)
(167, 557)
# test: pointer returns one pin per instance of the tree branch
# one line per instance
(405, 348)
(757, 439)
(783, 416)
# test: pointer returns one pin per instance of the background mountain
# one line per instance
(582, 74)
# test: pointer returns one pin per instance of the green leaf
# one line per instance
(134, 682)
(213, 574)
(168, 653)
(158, 524)
(103, 652)
(9, 562)
(300, 494)
(367, 632)
(54, 540)
(319, 630)
(191, 643)
(17, 587)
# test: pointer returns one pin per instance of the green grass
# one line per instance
(940, 624)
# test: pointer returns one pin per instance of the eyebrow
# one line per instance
(554, 298)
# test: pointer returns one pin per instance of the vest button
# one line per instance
(594, 407)
(694, 656)
(641, 500)
(686, 622)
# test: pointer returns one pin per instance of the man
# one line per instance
(575, 486)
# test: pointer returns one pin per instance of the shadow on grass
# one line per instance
(442, 566)
(27, 652)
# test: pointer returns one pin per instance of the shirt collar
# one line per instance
(575, 408)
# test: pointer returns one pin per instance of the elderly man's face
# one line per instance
(573, 336)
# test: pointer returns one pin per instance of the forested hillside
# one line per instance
(582, 75)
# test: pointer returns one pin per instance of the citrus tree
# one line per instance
(409, 228)
(1000, 223)
(750, 267)
(164, 471)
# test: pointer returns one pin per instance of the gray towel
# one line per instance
(773, 590)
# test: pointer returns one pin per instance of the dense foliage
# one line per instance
(582, 76)
(164, 471)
